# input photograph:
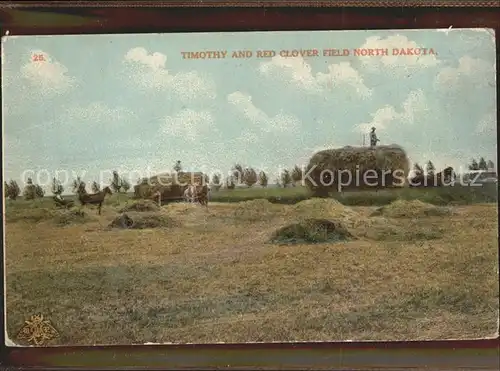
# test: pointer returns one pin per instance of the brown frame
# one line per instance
(65, 17)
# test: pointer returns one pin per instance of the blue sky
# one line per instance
(131, 102)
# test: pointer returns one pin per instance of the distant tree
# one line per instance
(39, 191)
(237, 173)
(178, 166)
(95, 187)
(474, 165)
(116, 182)
(286, 178)
(250, 176)
(263, 179)
(430, 168)
(29, 192)
(216, 184)
(230, 182)
(57, 188)
(12, 190)
(206, 179)
(79, 186)
(482, 165)
(297, 174)
(418, 169)
(277, 181)
(491, 165)
(125, 185)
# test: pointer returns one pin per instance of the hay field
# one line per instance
(408, 270)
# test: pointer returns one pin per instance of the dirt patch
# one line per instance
(140, 206)
(312, 231)
(142, 220)
(410, 209)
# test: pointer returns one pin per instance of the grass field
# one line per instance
(409, 270)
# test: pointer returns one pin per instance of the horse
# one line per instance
(190, 193)
(196, 193)
(95, 199)
(202, 195)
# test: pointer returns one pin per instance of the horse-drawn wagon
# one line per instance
(168, 187)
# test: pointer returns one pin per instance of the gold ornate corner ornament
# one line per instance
(37, 330)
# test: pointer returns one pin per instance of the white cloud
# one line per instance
(396, 62)
(188, 124)
(297, 71)
(96, 114)
(487, 125)
(149, 72)
(487, 31)
(414, 104)
(280, 122)
(481, 72)
(46, 74)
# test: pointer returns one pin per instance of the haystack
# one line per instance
(328, 209)
(311, 231)
(410, 209)
(382, 166)
(142, 220)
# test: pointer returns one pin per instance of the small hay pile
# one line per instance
(71, 216)
(410, 209)
(311, 231)
(140, 206)
(327, 209)
(356, 161)
(258, 209)
(142, 220)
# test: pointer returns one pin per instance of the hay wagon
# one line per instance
(170, 185)
(357, 168)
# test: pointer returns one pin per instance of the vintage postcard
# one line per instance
(250, 187)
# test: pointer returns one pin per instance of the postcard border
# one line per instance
(260, 4)
(441, 355)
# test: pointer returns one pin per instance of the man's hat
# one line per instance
(373, 127)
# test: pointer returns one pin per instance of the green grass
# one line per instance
(458, 195)
(437, 196)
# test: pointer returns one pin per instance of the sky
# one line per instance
(132, 103)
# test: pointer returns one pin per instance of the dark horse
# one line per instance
(202, 195)
(95, 199)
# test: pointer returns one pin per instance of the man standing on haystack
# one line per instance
(373, 138)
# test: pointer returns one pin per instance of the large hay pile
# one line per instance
(328, 209)
(142, 220)
(357, 167)
(171, 185)
(311, 231)
(410, 209)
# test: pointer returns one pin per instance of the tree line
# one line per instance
(239, 175)
(474, 165)
(32, 191)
